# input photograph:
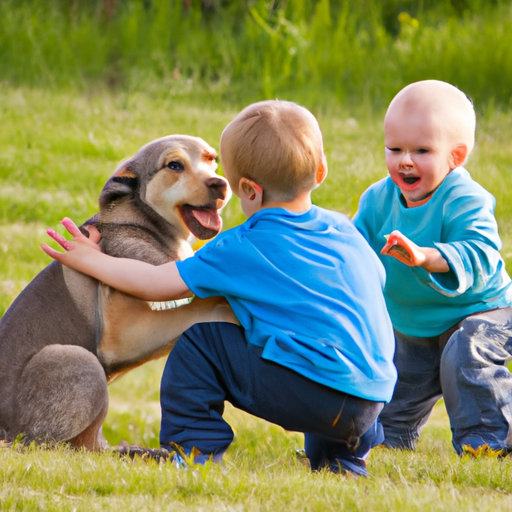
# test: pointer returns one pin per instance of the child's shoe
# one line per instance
(340, 457)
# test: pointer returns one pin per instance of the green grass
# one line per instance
(56, 151)
(321, 52)
(260, 471)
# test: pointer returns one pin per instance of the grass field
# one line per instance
(56, 151)
(260, 472)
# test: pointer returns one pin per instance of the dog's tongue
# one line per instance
(208, 218)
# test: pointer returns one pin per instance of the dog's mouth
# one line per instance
(203, 222)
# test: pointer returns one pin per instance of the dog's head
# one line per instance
(176, 177)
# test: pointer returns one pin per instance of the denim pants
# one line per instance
(470, 372)
(212, 363)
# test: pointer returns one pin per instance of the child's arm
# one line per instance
(142, 280)
(406, 251)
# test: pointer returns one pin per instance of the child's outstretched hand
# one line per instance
(403, 249)
(77, 248)
(407, 252)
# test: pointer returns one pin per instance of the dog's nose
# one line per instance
(218, 185)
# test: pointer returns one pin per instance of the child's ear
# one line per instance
(250, 189)
(458, 155)
(246, 188)
(321, 172)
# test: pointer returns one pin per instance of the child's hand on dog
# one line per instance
(137, 278)
(81, 251)
(406, 251)
(78, 239)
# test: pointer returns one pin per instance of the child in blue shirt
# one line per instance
(447, 290)
(314, 349)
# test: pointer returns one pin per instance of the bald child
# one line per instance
(447, 290)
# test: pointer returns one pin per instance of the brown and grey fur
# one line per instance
(67, 336)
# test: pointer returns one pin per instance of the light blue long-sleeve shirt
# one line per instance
(459, 221)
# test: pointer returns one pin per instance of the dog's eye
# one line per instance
(175, 166)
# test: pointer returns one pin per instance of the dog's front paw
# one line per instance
(132, 451)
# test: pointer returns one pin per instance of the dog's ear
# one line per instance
(122, 183)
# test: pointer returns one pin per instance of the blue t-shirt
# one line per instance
(459, 221)
(308, 289)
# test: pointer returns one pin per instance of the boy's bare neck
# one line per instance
(300, 204)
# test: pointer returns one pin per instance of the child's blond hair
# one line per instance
(278, 145)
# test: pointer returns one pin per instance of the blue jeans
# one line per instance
(469, 372)
(212, 363)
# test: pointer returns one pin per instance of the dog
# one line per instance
(67, 336)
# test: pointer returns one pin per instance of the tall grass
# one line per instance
(321, 52)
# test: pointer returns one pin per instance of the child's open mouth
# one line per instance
(410, 181)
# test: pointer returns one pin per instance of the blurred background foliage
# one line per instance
(322, 53)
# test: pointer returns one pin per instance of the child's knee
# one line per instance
(481, 340)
